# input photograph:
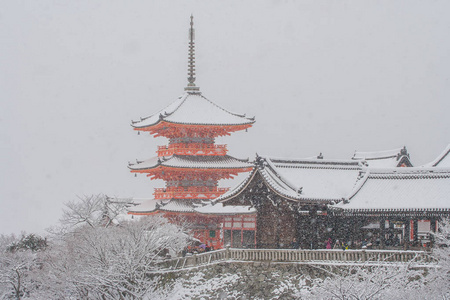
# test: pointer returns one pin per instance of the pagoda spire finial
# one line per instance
(191, 65)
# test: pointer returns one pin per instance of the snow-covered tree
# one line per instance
(438, 285)
(86, 257)
(94, 210)
(368, 282)
(92, 259)
(19, 261)
(115, 262)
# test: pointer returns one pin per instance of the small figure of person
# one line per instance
(328, 245)
(364, 244)
(336, 245)
(294, 244)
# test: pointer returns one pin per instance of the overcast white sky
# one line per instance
(320, 76)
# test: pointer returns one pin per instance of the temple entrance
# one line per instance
(239, 231)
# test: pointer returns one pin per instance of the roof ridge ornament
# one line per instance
(191, 65)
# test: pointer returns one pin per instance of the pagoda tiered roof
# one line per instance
(192, 162)
(385, 159)
(214, 167)
(399, 190)
(190, 110)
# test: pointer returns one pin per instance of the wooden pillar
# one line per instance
(433, 224)
(298, 224)
(406, 242)
(314, 227)
(382, 232)
(433, 230)
(415, 232)
(277, 228)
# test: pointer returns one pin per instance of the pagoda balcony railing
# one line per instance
(192, 149)
(189, 193)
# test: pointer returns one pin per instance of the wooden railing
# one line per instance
(189, 193)
(292, 255)
(192, 149)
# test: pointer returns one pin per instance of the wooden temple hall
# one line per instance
(378, 197)
(374, 197)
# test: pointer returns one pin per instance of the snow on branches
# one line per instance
(116, 261)
(90, 259)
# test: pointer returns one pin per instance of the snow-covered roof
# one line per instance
(235, 190)
(193, 108)
(171, 205)
(188, 206)
(309, 179)
(178, 205)
(219, 209)
(400, 189)
(443, 160)
(147, 205)
(317, 179)
(191, 161)
(384, 159)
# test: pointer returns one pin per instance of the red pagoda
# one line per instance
(191, 164)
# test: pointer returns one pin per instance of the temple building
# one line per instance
(379, 196)
(288, 194)
(192, 164)
(395, 207)
(374, 195)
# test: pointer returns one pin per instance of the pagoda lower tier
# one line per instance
(211, 224)
(189, 167)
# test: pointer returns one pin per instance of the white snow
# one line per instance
(193, 108)
(330, 183)
(319, 179)
(147, 205)
(175, 205)
(235, 189)
(377, 154)
(402, 189)
(443, 160)
(198, 162)
(380, 159)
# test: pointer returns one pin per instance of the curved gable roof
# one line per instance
(303, 180)
(443, 160)
(384, 159)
